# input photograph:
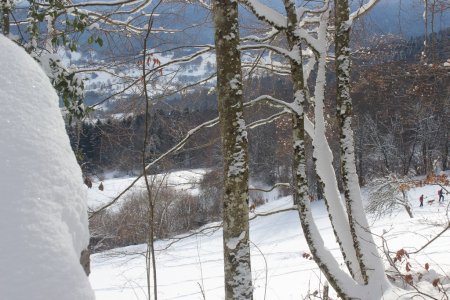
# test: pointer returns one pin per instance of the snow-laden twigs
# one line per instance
(309, 126)
(312, 42)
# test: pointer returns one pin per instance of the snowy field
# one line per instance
(280, 271)
(181, 180)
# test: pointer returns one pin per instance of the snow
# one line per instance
(277, 247)
(233, 242)
(43, 219)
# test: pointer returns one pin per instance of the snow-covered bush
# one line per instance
(43, 215)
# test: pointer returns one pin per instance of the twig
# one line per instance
(432, 240)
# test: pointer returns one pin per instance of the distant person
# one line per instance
(421, 200)
(441, 195)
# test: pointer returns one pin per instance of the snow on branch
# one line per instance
(313, 43)
(270, 35)
(266, 14)
(363, 10)
(267, 120)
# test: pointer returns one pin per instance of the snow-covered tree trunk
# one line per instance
(298, 118)
(300, 193)
(322, 152)
(300, 190)
(323, 158)
(238, 280)
(344, 102)
(300, 184)
(366, 251)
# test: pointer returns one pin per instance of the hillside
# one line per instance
(190, 264)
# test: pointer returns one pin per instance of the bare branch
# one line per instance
(272, 188)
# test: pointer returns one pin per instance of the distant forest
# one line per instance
(401, 104)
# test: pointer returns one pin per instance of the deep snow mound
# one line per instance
(43, 216)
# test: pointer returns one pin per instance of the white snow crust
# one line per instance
(43, 215)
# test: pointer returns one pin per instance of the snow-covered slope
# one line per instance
(181, 180)
(43, 218)
(279, 269)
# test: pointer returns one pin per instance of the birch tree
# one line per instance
(238, 282)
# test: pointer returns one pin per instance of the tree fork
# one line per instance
(299, 164)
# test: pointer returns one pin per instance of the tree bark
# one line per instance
(238, 280)
(85, 261)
